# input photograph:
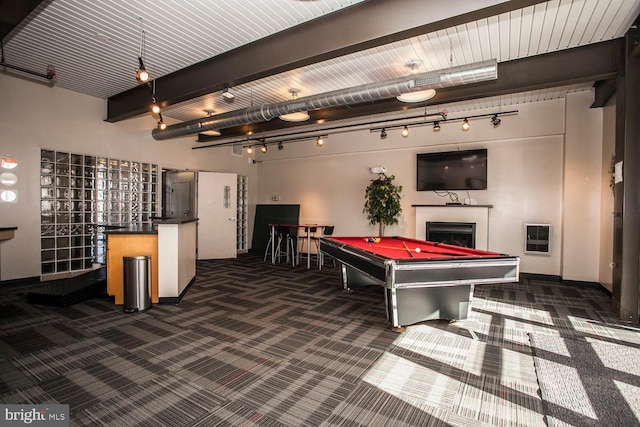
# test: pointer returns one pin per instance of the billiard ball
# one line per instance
(418, 250)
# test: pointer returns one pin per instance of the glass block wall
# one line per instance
(79, 196)
(242, 223)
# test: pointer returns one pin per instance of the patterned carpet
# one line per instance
(253, 344)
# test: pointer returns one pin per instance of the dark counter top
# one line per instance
(178, 220)
(8, 228)
(131, 229)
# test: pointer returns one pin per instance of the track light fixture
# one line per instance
(263, 149)
(319, 141)
(495, 121)
(155, 108)
(161, 124)
(405, 132)
(436, 126)
(280, 146)
(465, 125)
(142, 75)
(250, 149)
(383, 134)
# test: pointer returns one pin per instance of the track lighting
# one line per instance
(280, 146)
(495, 121)
(161, 124)
(319, 141)
(155, 108)
(263, 149)
(405, 132)
(227, 94)
(383, 134)
(465, 125)
(142, 75)
(436, 126)
(250, 150)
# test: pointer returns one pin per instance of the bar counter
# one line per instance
(171, 244)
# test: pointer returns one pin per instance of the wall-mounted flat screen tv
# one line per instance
(452, 170)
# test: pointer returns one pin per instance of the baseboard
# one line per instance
(176, 300)
(560, 280)
(20, 282)
(545, 277)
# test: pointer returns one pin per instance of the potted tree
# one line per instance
(382, 202)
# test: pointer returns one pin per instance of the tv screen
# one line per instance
(452, 170)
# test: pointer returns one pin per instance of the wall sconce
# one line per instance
(465, 125)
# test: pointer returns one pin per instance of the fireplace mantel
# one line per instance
(478, 214)
(453, 206)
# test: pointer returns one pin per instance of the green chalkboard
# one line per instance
(271, 214)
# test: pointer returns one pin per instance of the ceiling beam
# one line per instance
(13, 12)
(321, 39)
(590, 63)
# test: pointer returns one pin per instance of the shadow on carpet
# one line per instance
(587, 382)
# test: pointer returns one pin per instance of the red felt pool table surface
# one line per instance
(394, 248)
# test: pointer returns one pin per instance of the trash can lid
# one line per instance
(139, 257)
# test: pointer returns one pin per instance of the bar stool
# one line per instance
(327, 231)
(286, 234)
(310, 231)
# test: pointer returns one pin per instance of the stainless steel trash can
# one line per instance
(137, 283)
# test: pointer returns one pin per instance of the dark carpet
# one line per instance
(253, 344)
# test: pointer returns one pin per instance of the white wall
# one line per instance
(525, 179)
(34, 116)
(607, 205)
(532, 174)
(582, 189)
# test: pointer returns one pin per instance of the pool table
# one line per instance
(422, 280)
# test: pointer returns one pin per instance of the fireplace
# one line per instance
(452, 233)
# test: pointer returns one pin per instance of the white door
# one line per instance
(217, 215)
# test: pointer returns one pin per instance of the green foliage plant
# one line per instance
(382, 202)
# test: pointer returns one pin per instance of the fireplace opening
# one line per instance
(452, 233)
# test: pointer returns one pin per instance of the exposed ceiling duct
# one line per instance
(455, 76)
